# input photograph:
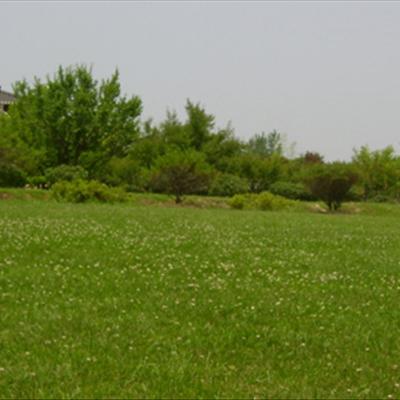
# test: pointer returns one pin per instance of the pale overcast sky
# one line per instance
(325, 73)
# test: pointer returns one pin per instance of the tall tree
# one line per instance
(379, 170)
(182, 172)
(221, 147)
(199, 124)
(331, 182)
(72, 114)
(265, 145)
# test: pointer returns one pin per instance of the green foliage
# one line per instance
(311, 157)
(331, 183)
(356, 193)
(259, 172)
(80, 191)
(13, 150)
(39, 181)
(291, 190)
(265, 145)
(221, 147)
(11, 176)
(125, 172)
(274, 143)
(71, 114)
(380, 198)
(228, 185)
(173, 133)
(71, 120)
(199, 125)
(394, 191)
(181, 172)
(94, 163)
(148, 148)
(267, 201)
(264, 201)
(238, 201)
(65, 173)
(379, 171)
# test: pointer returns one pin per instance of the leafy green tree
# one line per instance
(221, 147)
(148, 146)
(181, 172)
(291, 190)
(125, 172)
(196, 133)
(11, 175)
(117, 118)
(174, 133)
(379, 171)
(266, 145)
(312, 157)
(66, 173)
(259, 172)
(297, 169)
(72, 114)
(228, 185)
(331, 183)
(13, 150)
(199, 125)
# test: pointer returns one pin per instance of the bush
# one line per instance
(262, 201)
(356, 193)
(394, 191)
(381, 198)
(39, 181)
(125, 172)
(331, 183)
(66, 173)
(290, 190)
(268, 201)
(228, 185)
(11, 176)
(80, 191)
(181, 172)
(238, 201)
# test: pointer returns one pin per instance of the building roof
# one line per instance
(6, 97)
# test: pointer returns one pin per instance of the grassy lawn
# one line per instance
(140, 301)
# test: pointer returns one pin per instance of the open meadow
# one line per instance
(101, 300)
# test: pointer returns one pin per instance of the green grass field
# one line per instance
(135, 301)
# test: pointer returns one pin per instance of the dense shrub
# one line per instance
(381, 198)
(394, 191)
(80, 191)
(11, 176)
(38, 181)
(228, 185)
(181, 172)
(66, 173)
(127, 173)
(356, 193)
(331, 183)
(259, 172)
(268, 201)
(262, 201)
(238, 201)
(379, 171)
(290, 190)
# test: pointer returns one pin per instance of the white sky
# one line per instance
(325, 73)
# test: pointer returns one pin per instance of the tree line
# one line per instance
(71, 126)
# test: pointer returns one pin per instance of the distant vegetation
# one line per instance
(73, 127)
